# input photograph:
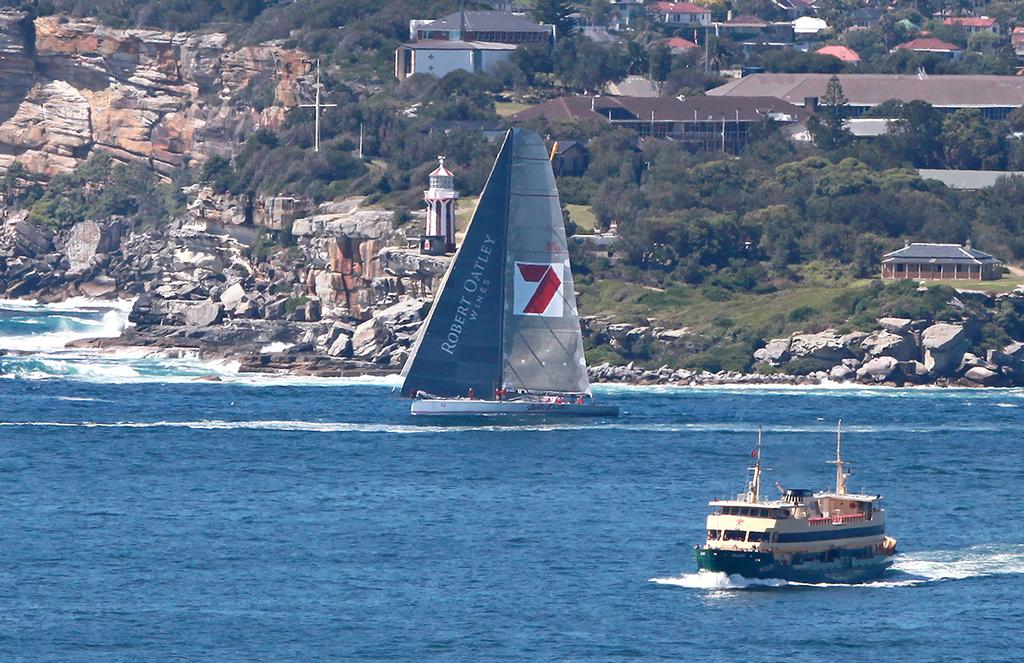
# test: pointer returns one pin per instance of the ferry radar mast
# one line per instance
(841, 476)
(754, 487)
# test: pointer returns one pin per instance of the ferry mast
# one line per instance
(841, 476)
(754, 487)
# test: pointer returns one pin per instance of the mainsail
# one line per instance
(505, 315)
(542, 348)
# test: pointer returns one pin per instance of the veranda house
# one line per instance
(941, 261)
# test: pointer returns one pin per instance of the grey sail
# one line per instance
(542, 348)
(458, 351)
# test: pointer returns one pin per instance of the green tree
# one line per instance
(972, 142)
(914, 133)
(659, 57)
(13, 183)
(557, 13)
(828, 126)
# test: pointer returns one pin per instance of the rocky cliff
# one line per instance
(74, 86)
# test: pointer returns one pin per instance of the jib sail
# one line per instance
(459, 346)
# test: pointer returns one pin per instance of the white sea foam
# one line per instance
(69, 328)
(272, 425)
(908, 570)
(713, 580)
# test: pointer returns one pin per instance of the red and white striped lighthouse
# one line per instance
(440, 198)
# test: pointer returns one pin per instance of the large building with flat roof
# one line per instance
(995, 96)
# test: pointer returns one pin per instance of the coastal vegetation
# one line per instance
(736, 248)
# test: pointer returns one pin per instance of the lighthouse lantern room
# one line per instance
(440, 198)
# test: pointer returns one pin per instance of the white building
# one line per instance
(440, 57)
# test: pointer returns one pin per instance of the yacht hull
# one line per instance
(844, 567)
(467, 407)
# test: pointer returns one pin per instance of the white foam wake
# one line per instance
(907, 571)
(713, 580)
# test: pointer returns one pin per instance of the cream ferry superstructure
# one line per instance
(828, 536)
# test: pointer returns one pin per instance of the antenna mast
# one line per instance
(317, 106)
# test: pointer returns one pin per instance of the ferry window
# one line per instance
(733, 535)
(713, 534)
(755, 536)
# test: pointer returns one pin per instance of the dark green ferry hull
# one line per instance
(844, 567)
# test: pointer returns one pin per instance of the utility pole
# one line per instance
(317, 106)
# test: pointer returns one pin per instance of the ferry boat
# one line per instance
(805, 536)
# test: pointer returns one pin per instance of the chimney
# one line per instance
(967, 244)
(811, 104)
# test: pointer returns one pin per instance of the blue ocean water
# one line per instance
(150, 516)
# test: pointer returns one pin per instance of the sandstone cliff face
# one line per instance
(74, 86)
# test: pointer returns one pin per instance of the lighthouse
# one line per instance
(440, 198)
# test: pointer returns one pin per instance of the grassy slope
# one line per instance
(506, 108)
(689, 306)
(583, 217)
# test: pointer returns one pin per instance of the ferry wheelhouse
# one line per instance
(805, 536)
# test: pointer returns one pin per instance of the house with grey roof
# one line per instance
(492, 26)
(994, 96)
(702, 122)
(474, 41)
(941, 261)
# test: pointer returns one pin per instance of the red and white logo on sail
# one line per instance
(538, 289)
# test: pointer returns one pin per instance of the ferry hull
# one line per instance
(467, 407)
(763, 565)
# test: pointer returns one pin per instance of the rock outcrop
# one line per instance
(73, 86)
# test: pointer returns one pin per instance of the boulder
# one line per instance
(364, 340)
(895, 325)
(983, 376)
(403, 313)
(203, 314)
(26, 240)
(1014, 350)
(232, 295)
(341, 347)
(775, 352)
(878, 369)
(886, 343)
(841, 373)
(944, 345)
(826, 345)
(87, 240)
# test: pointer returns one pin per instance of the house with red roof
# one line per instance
(843, 53)
(678, 45)
(930, 45)
(680, 13)
(972, 24)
